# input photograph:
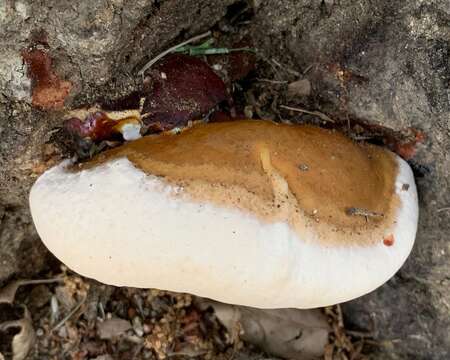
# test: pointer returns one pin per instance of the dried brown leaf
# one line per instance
(16, 331)
(299, 88)
(289, 333)
(183, 88)
(112, 328)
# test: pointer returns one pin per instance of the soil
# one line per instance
(379, 70)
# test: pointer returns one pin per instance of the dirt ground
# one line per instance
(380, 70)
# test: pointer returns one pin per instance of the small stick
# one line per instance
(40, 281)
(443, 209)
(284, 67)
(212, 51)
(141, 105)
(360, 334)
(168, 51)
(360, 138)
(309, 67)
(69, 315)
(340, 316)
(354, 211)
(272, 81)
(315, 113)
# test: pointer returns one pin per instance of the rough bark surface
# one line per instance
(384, 62)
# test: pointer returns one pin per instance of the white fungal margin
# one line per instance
(122, 227)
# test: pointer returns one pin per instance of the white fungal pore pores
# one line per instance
(123, 227)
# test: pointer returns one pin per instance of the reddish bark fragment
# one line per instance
(407, 149)
(49, 92)
(97, 126)
(183, 88)
(39, 66)
(51, 97)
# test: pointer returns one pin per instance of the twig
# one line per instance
(354, 211)
(272, 81)
(41, 281)
(284, 67)
(187, 353)
(261, 56)
(137, 351)
(360, 138)
(360, 334)
(102, 311)
(168, 51)
(443, 209)
(211, 51)
(315, 113)
(309, 67)
(69, 315)
(340, 316)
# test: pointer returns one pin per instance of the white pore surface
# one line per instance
(122, 227)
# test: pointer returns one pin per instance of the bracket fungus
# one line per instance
(246, 212)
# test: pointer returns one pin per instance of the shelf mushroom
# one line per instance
(247, 212)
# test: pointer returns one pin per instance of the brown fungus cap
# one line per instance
(332, 181)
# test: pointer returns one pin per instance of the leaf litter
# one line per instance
(96, 321)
